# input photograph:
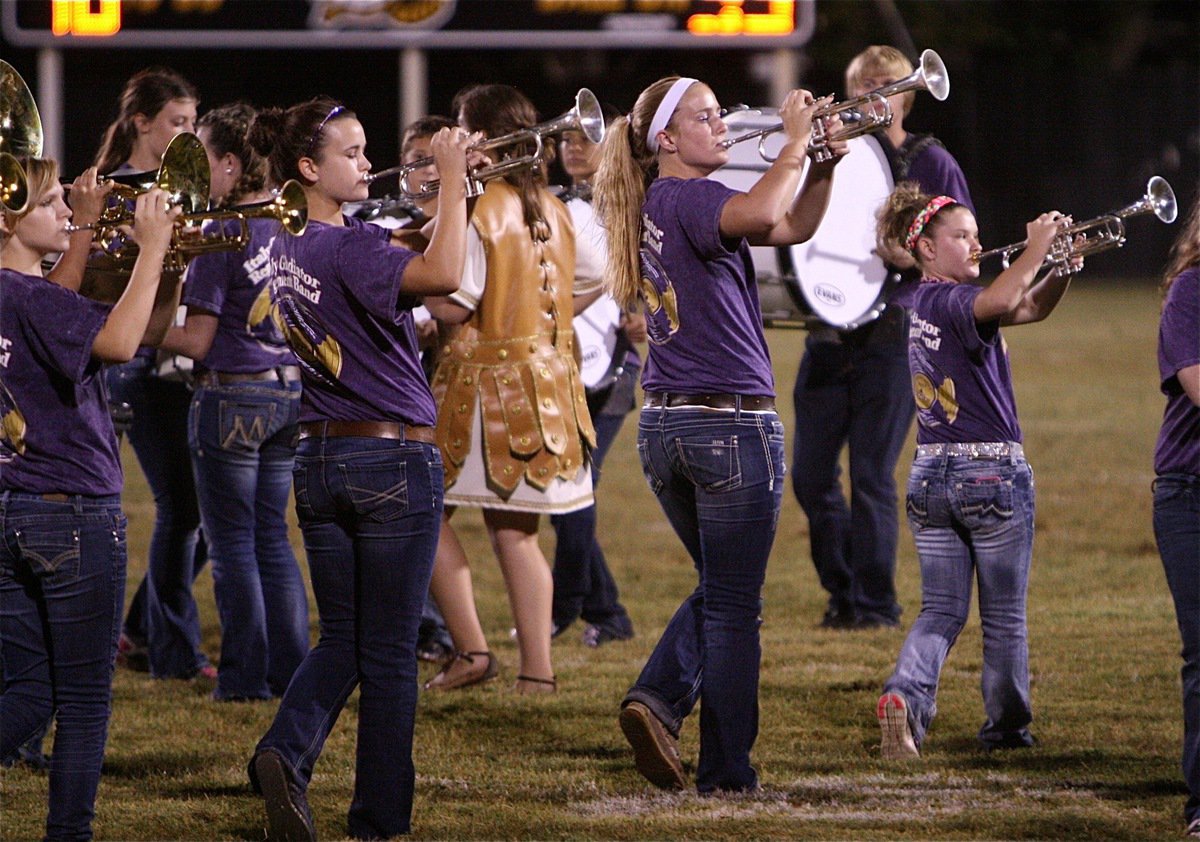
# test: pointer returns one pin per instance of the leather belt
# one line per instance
(749, 403)
(973, 449)
(279, 374)
(367, 429)
(57, 498)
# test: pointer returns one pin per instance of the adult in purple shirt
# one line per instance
(710, 441)
(852, 392)
(63, 555)
(242, 428)
(368, 476)
(1177, 482)
(970, 491)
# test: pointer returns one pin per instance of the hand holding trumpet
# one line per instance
(88, 198)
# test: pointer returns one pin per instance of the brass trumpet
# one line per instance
(288, 207)
(1105, 232)
(586, 116)
(20, 136)
(862, 114)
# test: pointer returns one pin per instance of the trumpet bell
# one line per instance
(184, 173)
(933, 73)
(1161, 199)
(290, 207)
(20, 136)
(589, 115)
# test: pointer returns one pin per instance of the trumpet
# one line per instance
(586, 116)
(288, 207)
(1105, 232)
(20, 136)
(862, 114)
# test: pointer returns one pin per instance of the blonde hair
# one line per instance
(627, 166)
(880, 60)
(40, 175)
(894, 220)
(1185, 253)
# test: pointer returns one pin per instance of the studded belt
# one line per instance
(973, 449)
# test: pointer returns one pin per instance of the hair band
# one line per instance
(922, 219)
(312, 141)
(666, 108)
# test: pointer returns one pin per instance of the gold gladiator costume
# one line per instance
(507, 382)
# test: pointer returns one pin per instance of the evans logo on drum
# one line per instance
(831, 295)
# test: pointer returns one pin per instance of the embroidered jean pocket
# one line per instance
(51, 548)
(916, 501)
(648, 471)
(245, 425)
(711, 463)
(984, 499)
(378, 493)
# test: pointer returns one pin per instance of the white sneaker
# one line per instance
(898, 743)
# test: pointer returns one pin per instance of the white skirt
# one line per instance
(471, 488)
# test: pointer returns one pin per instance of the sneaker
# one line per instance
(132, 654)
(288, 816)
(655, 751)
(595, 635)
(1193, 829)
(898, 743)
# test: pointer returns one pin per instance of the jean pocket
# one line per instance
(378, 493)
(300, 487)
(51, 548)
(916, 501)
(711, 462)
(648, 471)
(244, 425)
(984, 499)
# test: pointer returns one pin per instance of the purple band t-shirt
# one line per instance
(960, 375)
(702, 311)
(55, 432)
(1178, 448)
(337, 293)
(232, 285)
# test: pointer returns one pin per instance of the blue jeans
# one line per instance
(971, 519)
(719, 478)
(163, 612)
(1177, 531)
(583, 584)
(370, 510)
(242, 439)
(860, 396)
(62, 583)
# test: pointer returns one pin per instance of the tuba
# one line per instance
(1105, 232)
(20, 137)
(585, 116)
(862, 114)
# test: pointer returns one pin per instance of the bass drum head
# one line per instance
(840, 275)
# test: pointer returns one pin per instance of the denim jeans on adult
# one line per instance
(370, 510)
(719, 478)
(62, 583)
(971, 519)
(1177, 531)
(583, 584)
(243, 443)
(163, 611)
(860, 396)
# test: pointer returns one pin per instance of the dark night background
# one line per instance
(1053, 104)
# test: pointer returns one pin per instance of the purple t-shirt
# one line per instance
(337, 290)
(704, 322)
(232, 285)
(1178, 447)
(55, 432)
(960, 375)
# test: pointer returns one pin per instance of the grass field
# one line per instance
(493, 765)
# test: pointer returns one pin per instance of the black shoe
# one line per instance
(288, 816)
(875, 621)
(598, 634)
(838, 618)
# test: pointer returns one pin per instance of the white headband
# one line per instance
(665, 109)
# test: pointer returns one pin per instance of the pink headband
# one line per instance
(922, 219)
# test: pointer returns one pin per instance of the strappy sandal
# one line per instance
(535, 685)
(467, 678)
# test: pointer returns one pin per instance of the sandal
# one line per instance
(535, 685)
(466, 678)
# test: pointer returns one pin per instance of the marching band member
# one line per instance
(60, 488)
(852, 389)
(162, 622)
(583, 584)
(970, 493)
(512, 420)
(1177, 482)
(368, 477)
(710, 441)
(242, 429)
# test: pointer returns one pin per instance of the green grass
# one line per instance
(492, 765)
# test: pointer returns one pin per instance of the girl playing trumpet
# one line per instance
(970, 492)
